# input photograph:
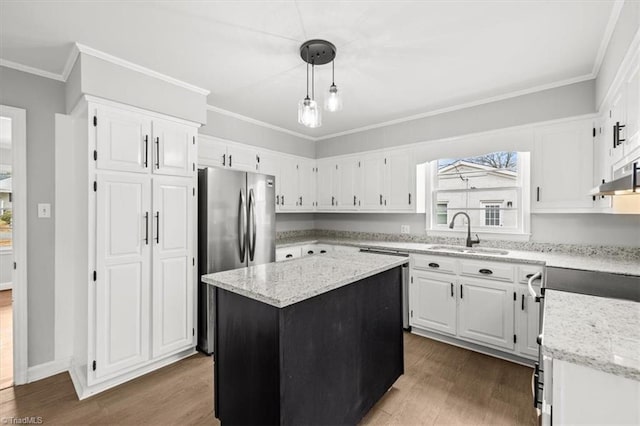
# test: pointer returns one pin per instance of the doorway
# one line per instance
(13, 226)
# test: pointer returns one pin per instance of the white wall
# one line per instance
(626, 29)
(237, 130)
(41, 98)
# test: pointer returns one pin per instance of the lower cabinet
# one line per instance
(432, 300)
(485, 312)
(496, 312)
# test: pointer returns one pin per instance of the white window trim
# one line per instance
(488, 233)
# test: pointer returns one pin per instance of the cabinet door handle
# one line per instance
(451, 289)
(380, 199)
(230, 160)
(461, 293)
(322, 251)
(224, 159)
(529, 276)
(301, 200)
(409, 198)
(522, 302)
(289, 256)
(277, 200)
(157, 152)
(486, 271)
(146, 228)
(310, 252)
(434, 265)
(354, 200)
(615, 135)
(538, 193)
(146, 151)
(333, 199)
(282, 200)
(158, 227)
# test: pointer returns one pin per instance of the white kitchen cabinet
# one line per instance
(172, 143)
(347, 183)
(172, 264)
(325, 185)
(372, 181)
(123, 140)
(134, 240)
(306, 184)
(243, 157)
(527, 322)
(614, 134)
(122, 279)
(562, 165)
(289, 187)
(485, 312)
(399, 180)
(432, 302)
(211, 152)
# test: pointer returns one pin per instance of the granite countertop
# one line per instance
(601, 263)
(596, 332)
(284, 283)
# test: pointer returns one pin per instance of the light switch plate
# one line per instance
(405, 229)
(44, 210)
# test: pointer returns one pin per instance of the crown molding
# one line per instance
(71, 61)
(258, 122)
(31, 70)
(139, 68)
(606, 38)
(458, 107)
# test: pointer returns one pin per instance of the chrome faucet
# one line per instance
(470, 242)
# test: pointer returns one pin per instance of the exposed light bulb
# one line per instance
(308, 113)
(333, 101)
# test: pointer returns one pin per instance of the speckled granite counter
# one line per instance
(596, 332)
(284, 283)
(612, 264)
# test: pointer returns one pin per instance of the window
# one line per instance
(441, 214)
(492, 214)
(490, 188)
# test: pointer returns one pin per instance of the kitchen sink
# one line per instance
(478, 250)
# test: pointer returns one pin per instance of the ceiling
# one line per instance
(394, 58)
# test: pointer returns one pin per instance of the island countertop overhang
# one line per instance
(281, 284)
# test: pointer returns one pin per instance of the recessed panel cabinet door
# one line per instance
(372, 182)
(347, 186)
(123, 265)
(485, 312)
(172, 289)
(123, 140)
(433, 302)
(325, 185)
(400, 181)
(307, 179)
(172, 144)
(528, 322)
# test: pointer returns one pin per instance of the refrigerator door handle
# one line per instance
(252, 218)
(242, 225)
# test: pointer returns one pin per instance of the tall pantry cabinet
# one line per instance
(134, 176)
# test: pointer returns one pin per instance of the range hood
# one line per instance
(626, 184)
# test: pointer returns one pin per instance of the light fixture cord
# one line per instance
(307, 71)
(333, 73)
(313, 86)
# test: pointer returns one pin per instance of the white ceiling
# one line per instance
(395, 59)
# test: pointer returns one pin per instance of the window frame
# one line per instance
(523, 182)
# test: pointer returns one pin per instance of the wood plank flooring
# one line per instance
(442, 384)
(6, 339)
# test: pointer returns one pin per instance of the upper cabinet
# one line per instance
(562, 166)
(216, 152)
(134, 142)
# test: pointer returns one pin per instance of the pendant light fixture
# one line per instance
(333, 101)
(316, 52)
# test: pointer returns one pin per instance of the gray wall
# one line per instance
(110, 81)
(42, 98)
(565, 101)
(621, 38)
(236, 130)
(294, 222)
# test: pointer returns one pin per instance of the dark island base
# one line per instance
(323, 361)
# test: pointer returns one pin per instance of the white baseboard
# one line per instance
(48, 369)
(6, 286)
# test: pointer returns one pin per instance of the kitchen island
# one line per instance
(315, 340)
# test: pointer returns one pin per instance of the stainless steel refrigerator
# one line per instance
(236, 228)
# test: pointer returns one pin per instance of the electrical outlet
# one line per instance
(44, 210)
(405, 229)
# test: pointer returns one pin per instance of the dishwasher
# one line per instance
(404, 278)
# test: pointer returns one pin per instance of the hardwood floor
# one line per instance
(442, 384)
(6, 340)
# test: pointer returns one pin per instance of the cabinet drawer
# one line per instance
(526, 271)
(310, 249)
(288, 253)
(441, 264)
(488, 270)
